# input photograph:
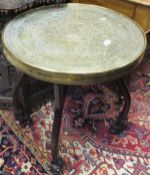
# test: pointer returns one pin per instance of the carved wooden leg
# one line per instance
(21, 103)
(128, 78)
(57, 163)
(120, 124)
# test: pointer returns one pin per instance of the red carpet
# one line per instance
(85, 151)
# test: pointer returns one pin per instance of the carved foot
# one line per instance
(57, 166)
(117, 127)
(23, 118)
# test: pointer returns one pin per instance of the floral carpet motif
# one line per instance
(15, 158)
(84, 150)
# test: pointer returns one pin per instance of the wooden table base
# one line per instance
(120, 124)
(116, 126)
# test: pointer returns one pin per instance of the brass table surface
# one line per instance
(74, 44)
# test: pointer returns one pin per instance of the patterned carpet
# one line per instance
(86, 151)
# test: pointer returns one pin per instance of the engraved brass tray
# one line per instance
(74, 44)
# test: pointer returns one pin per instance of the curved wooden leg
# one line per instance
(57, 162)
(120, 124)
(20, 99)
(128, 78)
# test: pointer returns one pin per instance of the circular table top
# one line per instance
(74, 44)
(14, 4)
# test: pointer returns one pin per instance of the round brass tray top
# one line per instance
(14, 4)
(74, 44)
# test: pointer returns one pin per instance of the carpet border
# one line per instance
(29, 143)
